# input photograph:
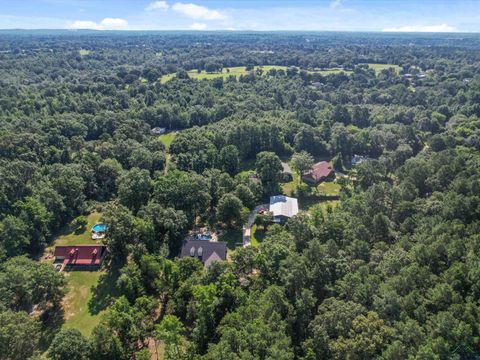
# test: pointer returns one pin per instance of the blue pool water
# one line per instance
(204, 237)
(99, 228)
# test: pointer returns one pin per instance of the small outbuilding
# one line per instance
(287, 174)
(158, 130)
(283, 207)
(206, 251)
(358, 159)
(319, 172)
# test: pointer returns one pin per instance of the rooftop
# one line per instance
(205, 251)
(281, 205)
(80, 254)
(319, 171)
(286, 168)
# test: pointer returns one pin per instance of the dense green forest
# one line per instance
(390, 272)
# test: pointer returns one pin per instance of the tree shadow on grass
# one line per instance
(52, 320)
(259, 234)
(233, 237)
(104, 293)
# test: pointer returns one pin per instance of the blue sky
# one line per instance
(333, 15)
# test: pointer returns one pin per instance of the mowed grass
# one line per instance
(167, 139)
(241, 70)
(83, 52)
(379, 67)
(68, 235)
(75, 303)
(328, 188)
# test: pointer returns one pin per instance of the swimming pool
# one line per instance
(204, 237)
(99, 228)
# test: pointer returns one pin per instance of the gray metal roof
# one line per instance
(205, 251)
(281, 205)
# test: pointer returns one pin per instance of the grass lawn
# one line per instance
(75, 303)
(83, 52)
(312, 202)
(328, 188)
(257, 235)
(379, 67)
(69, 236)
(323, 205)
(289, 187)
(167, 139)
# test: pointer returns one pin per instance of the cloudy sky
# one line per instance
(334, 15)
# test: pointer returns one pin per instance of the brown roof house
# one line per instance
(321, 171)
(206, 251)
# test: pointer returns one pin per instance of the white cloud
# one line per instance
(335, 3)
(157, 5)
(198, 12)
(423, 28)
(114, 23)
(105, 24)
(198, 26)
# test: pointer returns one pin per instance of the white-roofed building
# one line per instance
(283, 207)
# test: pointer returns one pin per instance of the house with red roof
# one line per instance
(319, 172)
(80, 256)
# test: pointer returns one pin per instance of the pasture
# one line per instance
(241, 70)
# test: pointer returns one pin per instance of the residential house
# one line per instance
(319, 172)
(80, 256)
(283, 207)
(158, 130)
(206, 251)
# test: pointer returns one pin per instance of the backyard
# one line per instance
(83, 236)
(75, 303)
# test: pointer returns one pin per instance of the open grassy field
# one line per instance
(75, 303)
(83, 52)
(379, 67)
(167, 139)
(241, 70)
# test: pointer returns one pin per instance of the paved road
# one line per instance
(250, 221)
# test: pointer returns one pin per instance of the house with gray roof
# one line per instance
(206, 251)
(283, 207)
